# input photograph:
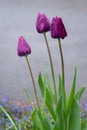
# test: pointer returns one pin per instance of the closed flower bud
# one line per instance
(57, 28)
(23, 47)
(42, 23)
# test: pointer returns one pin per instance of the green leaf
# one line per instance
(48, 99)
(41, 84)
(79, 94)
(10, 118)
(50, 106)
(33, 115)
(33, 118)
(62, 92)
(56, 125)
(72, 93)
(75, 117)
(84, 125)
(44, 98)
(37, 120)
(28, 96)
(60, 86)
(51, 90)
(60, 117)
(47, 124)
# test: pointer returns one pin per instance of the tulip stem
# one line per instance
(63, 73)
(62, 61)
(32, 77)
(51, 65)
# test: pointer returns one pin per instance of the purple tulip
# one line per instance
(42, 23)
(23, 47)
(57, 28)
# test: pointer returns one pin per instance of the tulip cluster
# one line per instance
(57, 111)
(43, 25)
(62, 109)
(57, 30)
(56, 27)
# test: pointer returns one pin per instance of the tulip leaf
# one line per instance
(72, 93)
(50, 106)
(84, 125)
(37, 120)
(59, 124)
(28, 96)
(75, 117)
(79, 93)
(60, 86)
(47, 124)
(50, 89)
(48, 100)
(56, 125)
(41, 84)
(44, 98)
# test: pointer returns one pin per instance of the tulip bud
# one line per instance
(57, 28)
(23, 47)
(42, 23)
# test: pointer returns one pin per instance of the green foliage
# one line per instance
(49, 102)
(60, 115)
(75, 117)
(72, 93)
(53, 116)
(79, 94)
(63, 119)
(84, 125)
(10, 117)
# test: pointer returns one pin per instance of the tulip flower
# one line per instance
(43, 26)
(24, 50)
(58, 31)
(42, 23)
(57, 28)
(23, 47)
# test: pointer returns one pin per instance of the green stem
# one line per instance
(63, 73)
(62, 61)
(51, 64)
(32, 77)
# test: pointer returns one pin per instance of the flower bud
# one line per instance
(23, 47)
(42, 23)
(57, 28)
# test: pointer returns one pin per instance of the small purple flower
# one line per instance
(42, 23)
(85, 106)
(5, 99)
(23, 47)
(16, 109)
(57, 28)
(28, 108)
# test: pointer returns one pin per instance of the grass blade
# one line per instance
(10, 118)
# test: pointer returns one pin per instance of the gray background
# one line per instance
(17, 18)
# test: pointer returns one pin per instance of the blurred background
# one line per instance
(18, 18)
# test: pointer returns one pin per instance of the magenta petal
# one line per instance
(57, 28)
(23, 47)
(42, 23)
